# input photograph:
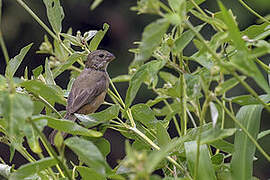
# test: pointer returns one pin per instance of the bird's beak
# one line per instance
(110, 57)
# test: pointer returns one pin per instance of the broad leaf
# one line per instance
(242, 159)
(55, 14)
(50, 93)
(99, 117)
(151, 38)
(86, 172)
(16, 109)
(15, 62)
(241, 60)
(215, 134)
(37, 71)
(227, 85)
(68, 126)
(263, 133)
(255, 30)
(98, 37)
(32, 136)
(33, 168)
(61, 68)
(244, 100)
(205, 168)
(48, 73)
(185, 39)
(163, 136)
(88, 153)
(148, 74)
(145, 115)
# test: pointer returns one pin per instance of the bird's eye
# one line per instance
(101, 55)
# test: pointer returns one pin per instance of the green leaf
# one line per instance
(217, 159)
(145, 115)
(99, 117)
(242, 159)
(205, 167)
(246, 65)
(59, 51)
(181, 42)
(168, 77)
(174, 4)
(15, 62)
(151, 38)
(148, 74)
(95, 4)
(158, 99)
(244, 100)
(55, 14)
(241, 60)
(215, 134)
(263, 133)
(210, 20)
(223, 145)
(155, 157)
(255, 30)
(88, 153)
(98, 37)
(103, 145)
(68, 126)
(50, 93)
(37, 71)
(48, 73)
(86, 172)
(72, 59)
(234, 32)
(163, 136)
(16, 109)
(121, 78)
(32, 136)
(33, 168)
(73, 40)
(227, 85)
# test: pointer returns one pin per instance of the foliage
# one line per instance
(196, 102)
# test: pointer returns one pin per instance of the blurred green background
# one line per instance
(20, 29)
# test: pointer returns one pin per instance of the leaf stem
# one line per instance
(119, 97)
(183, 104)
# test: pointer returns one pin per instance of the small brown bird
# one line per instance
(89, 88)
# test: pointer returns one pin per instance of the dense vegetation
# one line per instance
(191, 93)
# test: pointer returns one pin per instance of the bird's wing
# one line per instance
(79, 95)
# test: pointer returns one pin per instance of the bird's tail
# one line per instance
(54, 132)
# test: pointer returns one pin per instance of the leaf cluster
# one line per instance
(196, 102)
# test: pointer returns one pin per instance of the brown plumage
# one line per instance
(89, 88)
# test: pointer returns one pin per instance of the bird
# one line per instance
(89, 88)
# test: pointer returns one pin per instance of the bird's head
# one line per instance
(99, 59)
